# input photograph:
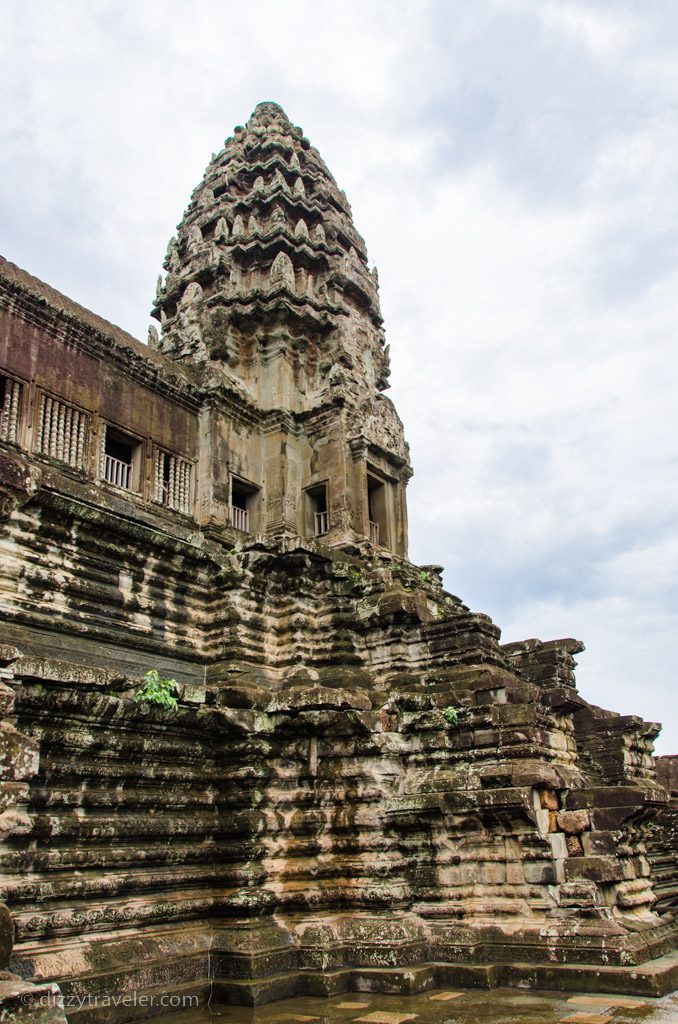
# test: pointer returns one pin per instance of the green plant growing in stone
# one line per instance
(157, 690)
(424, 576)
(451, 715)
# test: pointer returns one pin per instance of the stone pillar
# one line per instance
(358, 503)
(212, 498)
(283, 488)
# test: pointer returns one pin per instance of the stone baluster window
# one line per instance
(10, 405)
(63, 432)
(172, 481)
(122, 457)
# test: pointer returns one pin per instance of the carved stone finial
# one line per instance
(267, 113)
(194, 237)
(301, 231)
(282, 271)
(153, 336)
(171, 261)
(279, 180)
(192, 294)
(206, 197)
(384, 369)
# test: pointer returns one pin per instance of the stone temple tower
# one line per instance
(268, 293)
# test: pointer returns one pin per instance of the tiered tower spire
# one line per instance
(269, 293)
(267, 246)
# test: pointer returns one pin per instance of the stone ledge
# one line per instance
(654, 981)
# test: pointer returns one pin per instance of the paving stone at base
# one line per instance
(383, 1017)
(443, 997)
(292, 1018)
(607, 1002)
(587, 1018)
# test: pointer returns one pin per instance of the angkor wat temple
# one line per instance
(361, 787)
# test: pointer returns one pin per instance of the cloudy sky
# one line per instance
(512, 165)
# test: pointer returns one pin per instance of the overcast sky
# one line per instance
(512, 166)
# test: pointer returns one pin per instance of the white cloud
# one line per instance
(606, 34)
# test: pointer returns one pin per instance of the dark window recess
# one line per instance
(122, 456)
(243, 504)
(318, 510)
(377, 512)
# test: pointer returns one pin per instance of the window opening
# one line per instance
(173, 479)
(377, 512)
(318, 509)
(121, 460)
(243, 499)
(10, 403)
(62, 432)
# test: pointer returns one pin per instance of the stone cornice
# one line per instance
(62, 319)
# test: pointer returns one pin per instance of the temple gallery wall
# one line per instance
(360, 786)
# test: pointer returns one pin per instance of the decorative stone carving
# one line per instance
(384, 368)
(172, 261)
(279, 180)
(194, 238)
(382, 426)
(192, 294)
(301, 230)
(282, 271)
(18, 483)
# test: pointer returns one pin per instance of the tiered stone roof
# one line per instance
(267, 243)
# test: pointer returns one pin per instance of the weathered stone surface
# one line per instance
(6, 936)
(359, 781)
(25, 1003)
(662, 843)
(596, 869)
(574, 822)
